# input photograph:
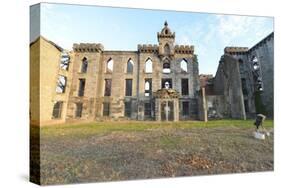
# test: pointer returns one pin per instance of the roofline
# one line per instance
(50, 42)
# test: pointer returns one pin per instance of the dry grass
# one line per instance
(110, 151)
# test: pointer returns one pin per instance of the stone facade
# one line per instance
(243, 85)
(120, 84)
(90, 83)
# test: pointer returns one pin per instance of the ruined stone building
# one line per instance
(155, 82)
(243, 84)
(91, 83)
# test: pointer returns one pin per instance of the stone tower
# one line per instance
(166, 41)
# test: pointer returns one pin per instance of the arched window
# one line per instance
(255, 63)
(184, 65)
(166, 49)
(148, 66)
(84, 65)
(130, 66)
(166, 67)
(109, 66)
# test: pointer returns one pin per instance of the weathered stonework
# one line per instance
(85, 97)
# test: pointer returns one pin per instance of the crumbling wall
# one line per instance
(227, 82)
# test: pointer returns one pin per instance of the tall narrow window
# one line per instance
(184, 86)
(129, 84)
(109, 66)
(244, 86)
(184, 65)
(84, 65)
(185, 109)
(128, 109)
(82, 83)
(166, 67)
(107, 87)
(64, 61)
(106, 109)
(166, 49)
(130, 66)
(57, 109)
(79, 108)
(148, 87)
(246, 106)
(61, 84)
(147, 109)
(255, 63)
(148, 66)
(241, 65)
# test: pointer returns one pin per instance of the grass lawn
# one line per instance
(110, 151)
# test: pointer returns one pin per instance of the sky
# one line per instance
(125, 28)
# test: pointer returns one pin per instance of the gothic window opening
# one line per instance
(166, 49)
(244, 86)
(184, 65)
(84, 65)
(166, 67)
(109, 66)
(128, 109)
(82, 83)
(167, 83)
(241, 65)
(130, 66)
(148, 87)
(148, 66)
(246, 106)
(129, 87)
(184, 86)
(106, 109)
(255, 63)
(147, 109)
(107, 87)
(185, 109)
(57, 110)
(79, 108)
(61, 84)
(64, 61)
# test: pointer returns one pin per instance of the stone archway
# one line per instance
(166, 105)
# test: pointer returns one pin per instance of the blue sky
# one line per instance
(124, 29)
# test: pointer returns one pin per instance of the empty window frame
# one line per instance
(241, 65)
(147, 109)
(184, 86)
(107, 87)
(106, 109)
(129, 87)
(244, 86)
(84, 65)
(255, 63)
(183, 65)
(166, 67)
(246, 106)
(61, 84)
(57, 109)
(166, 49)
(148, 87)
(130, 66)
(64, 61)
(79, 109)
(185, 108)
(128, 108)
(82, 83)
(109, 66)
(167, 83)
(148, 66)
